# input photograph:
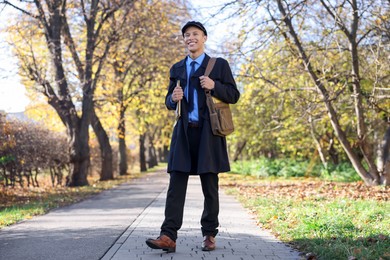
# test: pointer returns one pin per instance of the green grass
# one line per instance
(330, 228)
(14, 214)
(329, 224)
(291, 168)
(40, 202)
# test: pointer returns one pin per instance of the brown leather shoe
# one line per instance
(162, 242)
(208, 243)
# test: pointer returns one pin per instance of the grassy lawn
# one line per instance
(326, 220)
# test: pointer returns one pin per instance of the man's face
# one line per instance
(194, 39)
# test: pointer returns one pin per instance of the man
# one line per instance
(194, 149)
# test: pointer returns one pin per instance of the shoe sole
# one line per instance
(207, 249)
(167, 249)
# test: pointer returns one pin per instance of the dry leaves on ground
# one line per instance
(302, 189)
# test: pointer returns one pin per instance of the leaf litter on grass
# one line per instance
(303, 189)
(273, 202)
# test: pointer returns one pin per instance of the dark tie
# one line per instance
(191, 88)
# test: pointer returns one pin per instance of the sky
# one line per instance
(13, 94)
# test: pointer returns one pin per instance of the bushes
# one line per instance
(341, 172)
(27, 149)
(276, 167)
(287, 168)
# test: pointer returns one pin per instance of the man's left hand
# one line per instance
(206, 82)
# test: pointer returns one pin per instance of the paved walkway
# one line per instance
(115, 224)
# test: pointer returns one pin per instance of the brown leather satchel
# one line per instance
(221, 119)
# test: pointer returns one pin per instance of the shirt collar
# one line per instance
(198, 60)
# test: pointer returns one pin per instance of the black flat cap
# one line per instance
(195, 24)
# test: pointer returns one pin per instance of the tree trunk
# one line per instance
(364, 144)
(123, 167)
(368, 177)
(334, 156)
(105, 148)
(79, 158)
(160, 155)
(51, 16)
(77, 131)
(240, 147)
(163, 154)
(152, 156)
(317, 143)
(384, 159)
(142, 158)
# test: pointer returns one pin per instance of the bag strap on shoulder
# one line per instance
(210, 66)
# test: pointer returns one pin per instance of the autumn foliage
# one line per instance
(26, 149)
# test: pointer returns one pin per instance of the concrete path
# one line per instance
(116, 223)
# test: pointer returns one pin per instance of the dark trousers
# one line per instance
(174, 206)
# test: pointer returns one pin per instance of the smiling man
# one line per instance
(194, 149)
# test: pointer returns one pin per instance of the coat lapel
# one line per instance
(200, 71)
(195, 79)
(182, 73)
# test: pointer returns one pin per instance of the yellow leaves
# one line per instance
(40, 111)
(381, 19)
(135, 74)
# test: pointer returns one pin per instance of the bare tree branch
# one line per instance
(5, 2)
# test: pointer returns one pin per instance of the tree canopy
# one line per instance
(314, 77)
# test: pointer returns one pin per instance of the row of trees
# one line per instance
(96, 62)
(28, 148)
(315, 79)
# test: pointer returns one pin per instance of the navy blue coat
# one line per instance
(213, 155)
